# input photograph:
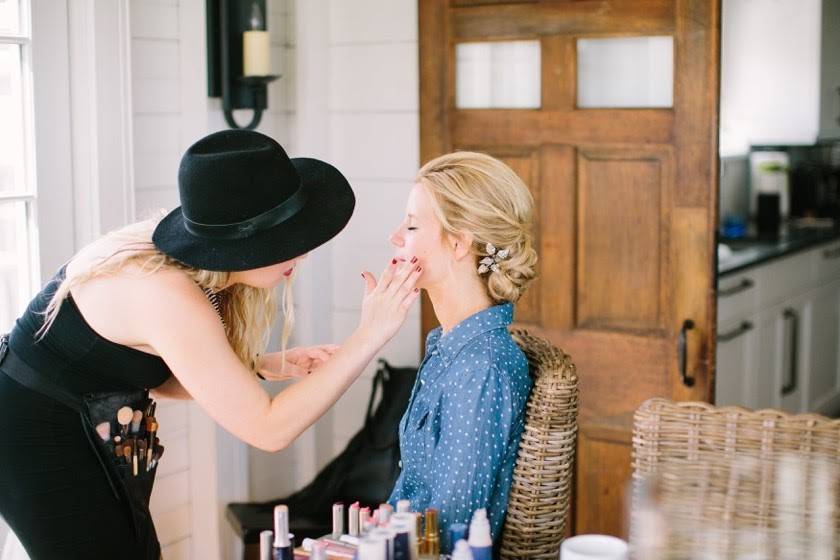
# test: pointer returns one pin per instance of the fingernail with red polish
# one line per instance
(416, 290)
(393, 261)
(413, 260)
(419, 269)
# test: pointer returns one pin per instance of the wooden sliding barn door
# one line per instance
(626, 207)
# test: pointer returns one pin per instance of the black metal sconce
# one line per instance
(230, 24)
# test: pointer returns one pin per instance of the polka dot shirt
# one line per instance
(460, 433)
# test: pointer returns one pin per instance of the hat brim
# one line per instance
(328, 208)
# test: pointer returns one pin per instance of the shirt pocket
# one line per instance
(420, 435)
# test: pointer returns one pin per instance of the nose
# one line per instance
(396, 239)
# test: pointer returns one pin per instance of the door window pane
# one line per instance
(9, 17)
(15, 263)
(12, 144)
(497, 75)
(632, 72)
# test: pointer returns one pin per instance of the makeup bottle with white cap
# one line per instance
(283, 540)
(265, 544)
(480, 541)
(461, 551)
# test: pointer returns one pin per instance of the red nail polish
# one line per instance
(413, 260)
(416, 290)
(419, 269)
(393, 261)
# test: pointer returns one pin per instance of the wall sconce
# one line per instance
(238, 55)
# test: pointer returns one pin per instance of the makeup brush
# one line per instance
(158, 454)
(104, 430)
(149, 451)
(124, 416)
(134, 457)
(137, 418)
(141, 452)
(127, 453)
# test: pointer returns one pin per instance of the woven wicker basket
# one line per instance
(539, 496)
(734, 483)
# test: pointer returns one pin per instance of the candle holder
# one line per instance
(227, 21)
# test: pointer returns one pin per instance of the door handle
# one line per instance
(745, 285)
(792, 317)
(736, 332)
(682, 352)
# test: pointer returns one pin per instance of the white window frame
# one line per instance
(28, 276)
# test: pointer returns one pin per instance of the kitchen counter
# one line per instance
(750, 251)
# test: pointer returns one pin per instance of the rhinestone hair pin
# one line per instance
(492, 260)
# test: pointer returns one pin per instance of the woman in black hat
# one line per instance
(182, 306)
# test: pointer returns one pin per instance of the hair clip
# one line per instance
(491, 262)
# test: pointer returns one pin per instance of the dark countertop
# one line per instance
(754, 250)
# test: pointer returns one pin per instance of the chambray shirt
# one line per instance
(460, 434)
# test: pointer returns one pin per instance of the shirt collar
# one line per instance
(450, 344)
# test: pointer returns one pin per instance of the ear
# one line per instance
(461, 245)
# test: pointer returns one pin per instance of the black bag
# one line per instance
(365, 471)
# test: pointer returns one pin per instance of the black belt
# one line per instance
(29, 377)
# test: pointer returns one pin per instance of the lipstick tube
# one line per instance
(337, 520)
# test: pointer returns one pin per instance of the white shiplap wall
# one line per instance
(374, 139)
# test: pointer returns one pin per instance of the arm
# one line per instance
(475, 424)
(186, 333)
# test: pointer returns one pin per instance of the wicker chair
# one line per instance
(538, 504)
(727, 482)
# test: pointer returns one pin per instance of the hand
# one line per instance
(300, 362)
(386, 302)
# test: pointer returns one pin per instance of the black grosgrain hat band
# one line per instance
(251, 226)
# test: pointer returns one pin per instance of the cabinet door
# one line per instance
(737, 353)
(782, 357)
(824, 344)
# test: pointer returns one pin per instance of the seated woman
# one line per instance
(468, 221)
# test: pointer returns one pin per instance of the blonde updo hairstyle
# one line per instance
(473, 193)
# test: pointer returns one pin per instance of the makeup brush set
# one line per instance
(135, 442)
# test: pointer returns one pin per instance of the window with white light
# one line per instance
(18, 240)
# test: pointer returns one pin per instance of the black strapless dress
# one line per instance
(54, 492)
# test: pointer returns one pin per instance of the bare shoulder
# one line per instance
(127, 306)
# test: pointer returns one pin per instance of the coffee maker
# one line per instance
(815, 183)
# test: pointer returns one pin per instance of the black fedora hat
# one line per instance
(245, 204)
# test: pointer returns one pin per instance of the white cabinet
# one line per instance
(781, 361)
(737, 351)
(779, 334)
(822, 336)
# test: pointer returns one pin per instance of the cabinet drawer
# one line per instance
(828, 262)
(738, 295)
(786, 278)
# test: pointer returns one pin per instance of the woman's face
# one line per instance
(421, 235)
(267, 276)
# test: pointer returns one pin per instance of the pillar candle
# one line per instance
(255, 53)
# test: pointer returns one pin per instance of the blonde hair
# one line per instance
(477, 194)
(247, 312)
